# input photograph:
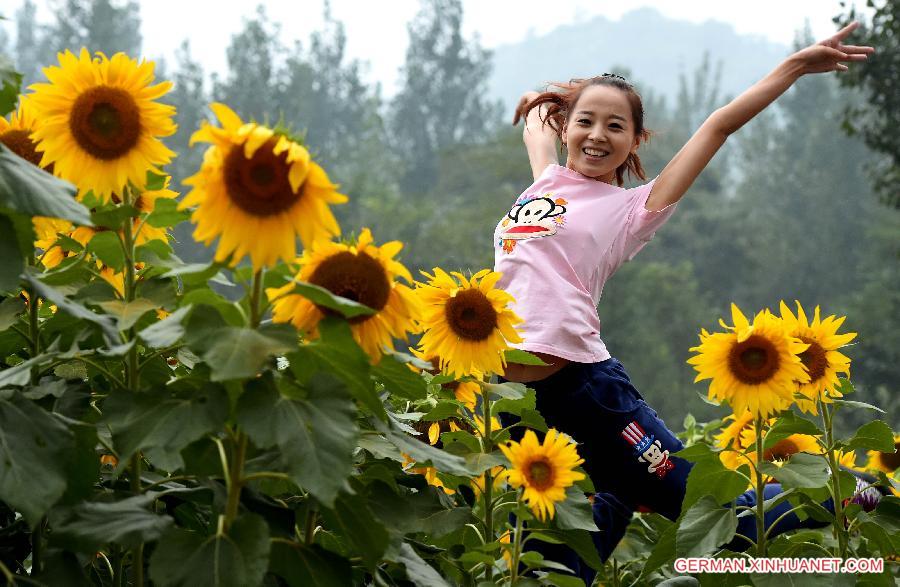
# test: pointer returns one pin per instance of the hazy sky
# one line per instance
(376, 31)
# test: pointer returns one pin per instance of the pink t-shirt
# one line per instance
(556, 247)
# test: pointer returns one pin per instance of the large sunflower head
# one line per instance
(754, 366)
(258, 190)
(364, 273)
(468, 323)
(545, 469)
(821, 359)
(888, 462)
(100, 124)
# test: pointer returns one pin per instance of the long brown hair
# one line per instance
(561, 105)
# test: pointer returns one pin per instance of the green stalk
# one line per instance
(34, 349)
(517, 548)
(132, 375)
(760, 493)
(835, 484)
(487, 446)
(236, 479)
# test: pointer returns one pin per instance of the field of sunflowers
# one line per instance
(155, 431)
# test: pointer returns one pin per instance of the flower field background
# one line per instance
(158, 428)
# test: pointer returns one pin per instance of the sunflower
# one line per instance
(822, 359)
(543, 469)
(362, 272)
(467, 322)
(17, 134)
(100, 125)
(257, 190)
(731, 436)
(754, 367)
(888, 462)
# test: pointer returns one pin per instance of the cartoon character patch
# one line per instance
(648, 449)
(532, 217)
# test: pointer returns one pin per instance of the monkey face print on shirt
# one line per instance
(531, 217)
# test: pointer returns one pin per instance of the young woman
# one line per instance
(568, 233)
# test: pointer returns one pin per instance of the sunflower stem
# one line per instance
(517, 548)
(760, 493)
(839, 532)
(236, 478)
(34, 333)
(132, 373)
(488, 478)
(255, 296)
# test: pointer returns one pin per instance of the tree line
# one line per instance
(786, 211)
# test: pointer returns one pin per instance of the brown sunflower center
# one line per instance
(539, 474)
(105, 122)
(753, 361)
(259, 185)
(891, 461)
(813, 359)
(471, 315)
(19, 142)
(781, 451)
(356, 277)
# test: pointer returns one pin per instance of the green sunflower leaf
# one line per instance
(240, 353)
(166, 213)
(29, 190)
(87, 526)
(802, 471)
(10, 81)
(417, 570)
(163, 424)
(789, 423)
(875, 435)
(322, 297)
(112, 217)
(12, 258)
(301, 565)
(235, 559)
(336, 351)
(167, 331)
(522, 357)
(10, 309)
(127, 313)
(856, 404)
(575, 513)
(398, 379)
(352, 518)
(316, 435)
(704, 527)
(34, 448)
(108, 248)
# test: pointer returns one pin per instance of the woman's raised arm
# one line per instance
(540, 140)
(687, 164)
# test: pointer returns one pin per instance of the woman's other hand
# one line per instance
(829, 54)
(526, 98)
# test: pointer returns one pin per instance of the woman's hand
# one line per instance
(539, 138)
(827, 55)
(520, 107)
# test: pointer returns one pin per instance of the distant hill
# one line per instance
(656, 50)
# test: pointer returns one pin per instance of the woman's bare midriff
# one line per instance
(525, 373)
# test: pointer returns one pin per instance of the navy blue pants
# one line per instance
(627, 451)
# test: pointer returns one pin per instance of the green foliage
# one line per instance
(877, 120)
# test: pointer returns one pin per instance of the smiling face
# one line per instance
(600, 132)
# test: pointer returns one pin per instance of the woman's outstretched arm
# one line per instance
(540, 140)
(684, 168)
